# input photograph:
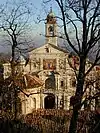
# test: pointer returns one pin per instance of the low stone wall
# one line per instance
(53, 112)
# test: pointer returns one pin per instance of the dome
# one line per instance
(51, 14)
(51, 17)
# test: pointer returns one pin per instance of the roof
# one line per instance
(51, 13)
(32, 81)
(58, 48)
(51, 17)
(25, 81)
(65, 50)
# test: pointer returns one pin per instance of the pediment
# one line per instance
(48, 49)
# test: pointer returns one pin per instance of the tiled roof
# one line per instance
(32, 81)
(25, 81)
(59, 48)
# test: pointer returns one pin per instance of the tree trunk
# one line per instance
(73, 122)
(15, 103)
(78, 96)
(13, 79)
(13, 63)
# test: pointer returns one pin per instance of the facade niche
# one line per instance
(49, 84)
(62, 83)
(34, 103)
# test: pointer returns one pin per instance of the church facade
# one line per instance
(48, 77)
(50, 65)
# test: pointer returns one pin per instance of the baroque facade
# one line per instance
(48, 77)
(50, 64)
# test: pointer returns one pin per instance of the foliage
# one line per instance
(16, 126)
(50, 121)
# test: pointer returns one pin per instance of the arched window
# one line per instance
(51, 30)
(49, 83)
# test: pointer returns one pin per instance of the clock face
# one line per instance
(51, 30)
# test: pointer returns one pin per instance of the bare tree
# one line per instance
(82, 17)
(14, 21)
(14, 24)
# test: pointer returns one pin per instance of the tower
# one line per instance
(51, 28)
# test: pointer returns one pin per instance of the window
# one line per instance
(51, 30)
(62, 83)
(47, 49)
(73, 82)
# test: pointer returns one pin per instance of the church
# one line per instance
(49, 80)
(49, 68)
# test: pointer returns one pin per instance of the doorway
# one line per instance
(49, 102)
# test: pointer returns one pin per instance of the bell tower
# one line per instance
(51, 28)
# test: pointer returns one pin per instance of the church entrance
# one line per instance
(49, 102)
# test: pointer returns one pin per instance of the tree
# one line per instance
(14, 21)
(82, 17)
(14, 24)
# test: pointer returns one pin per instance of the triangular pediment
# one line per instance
(48, 48)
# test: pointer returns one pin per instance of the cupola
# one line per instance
(51, 19)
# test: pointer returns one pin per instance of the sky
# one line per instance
(39, 10)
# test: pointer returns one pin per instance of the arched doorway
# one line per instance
(49, 102)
